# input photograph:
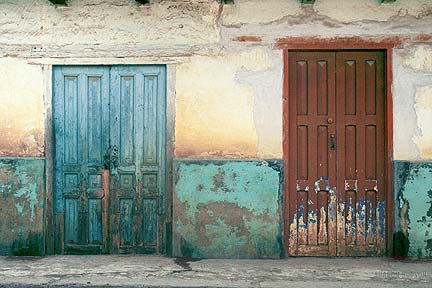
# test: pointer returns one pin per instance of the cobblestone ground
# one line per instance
(148, 271)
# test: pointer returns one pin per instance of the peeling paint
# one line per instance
(22, 194)
(414, 222)
(235, 213)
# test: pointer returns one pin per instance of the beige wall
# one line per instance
(221, 105)
(21, 109)
(228, 92)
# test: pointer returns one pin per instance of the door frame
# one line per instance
(49, 222)
(341, 44)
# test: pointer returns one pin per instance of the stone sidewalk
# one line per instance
(151, 271)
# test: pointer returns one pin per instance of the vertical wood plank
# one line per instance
(150, 220)
(360, 152)
(95, 221)
(71, 220)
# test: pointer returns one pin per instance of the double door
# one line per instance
(336, 142)
(109, 159)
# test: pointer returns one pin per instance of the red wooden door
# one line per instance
(336, 154)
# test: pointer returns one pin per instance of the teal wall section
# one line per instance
(413, 209)
(21, 205)
(228, 208)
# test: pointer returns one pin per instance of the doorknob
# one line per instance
(332, 141)
(330, 120)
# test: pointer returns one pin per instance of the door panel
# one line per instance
(81, 124)
(336, 153)
(312, 166)
(137, 114)
(361, 148)
(109, 132)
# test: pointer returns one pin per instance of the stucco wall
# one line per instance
(21, 109)
(413, 209)
(21, 204)
(228, 209)
(412, 96)
(230, 105)
(223, 53)
(228, 73)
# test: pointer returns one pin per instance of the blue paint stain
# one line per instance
(371, 221)
(312, 217)
(381, 217)
(361, 209)
(302, 215)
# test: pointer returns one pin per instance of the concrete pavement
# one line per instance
(153, 271)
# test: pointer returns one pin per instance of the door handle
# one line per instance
(332, 141)
(110, 158)
(114, 157)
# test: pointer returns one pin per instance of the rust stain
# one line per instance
(354, 41)
(248, 38)
(105, 214)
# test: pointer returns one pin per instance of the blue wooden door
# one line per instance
(109, 164)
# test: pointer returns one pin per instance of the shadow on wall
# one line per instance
(21, 206)
(412, 209)
(28, 246)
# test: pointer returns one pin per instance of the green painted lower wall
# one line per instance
(412, 209)
(228, 208)
(21, 205)
(222, 208)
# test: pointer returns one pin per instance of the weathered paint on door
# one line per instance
(336, 154)
(109, 132)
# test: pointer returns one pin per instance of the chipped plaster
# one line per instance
(420, 58)
(423, 108)
(372, 10)
(411, 104)
(245, 11)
